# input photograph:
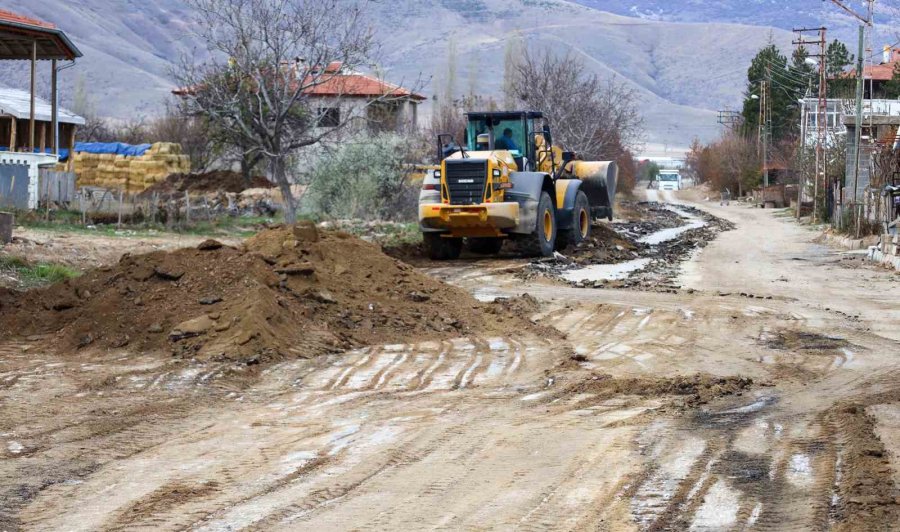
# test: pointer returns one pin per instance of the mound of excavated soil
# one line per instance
(603, 246)
(289, 291)
(215, 181)
(694, 389)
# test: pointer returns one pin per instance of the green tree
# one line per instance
(838, 58)
(891, 88)
(785, 82)
(648, 171)
(768, 62)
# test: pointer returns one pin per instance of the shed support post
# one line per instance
(54, 112)
(33, 90)
(12, 133)
(71, 163)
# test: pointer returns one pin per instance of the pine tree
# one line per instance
(891, 88)
(767, 58)
(838, 58)
(785, 88)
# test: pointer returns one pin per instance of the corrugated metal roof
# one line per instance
(17, 103)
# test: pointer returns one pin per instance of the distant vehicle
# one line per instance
(670, 180)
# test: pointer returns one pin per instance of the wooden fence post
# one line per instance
(119, 222)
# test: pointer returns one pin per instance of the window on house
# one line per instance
(329, 117)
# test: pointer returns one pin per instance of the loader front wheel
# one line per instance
(543, 240)
(580, 228)
(484, 246)
(440, 248)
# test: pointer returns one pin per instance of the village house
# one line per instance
(349, 94)
(343, 94)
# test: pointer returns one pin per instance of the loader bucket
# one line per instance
(599, 183)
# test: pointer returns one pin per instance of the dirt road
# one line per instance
(509, 432)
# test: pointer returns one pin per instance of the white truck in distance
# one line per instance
(670, 180)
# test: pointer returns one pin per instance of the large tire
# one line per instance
(580, 224)
(542, 241)
(484, 246)
(440, 248)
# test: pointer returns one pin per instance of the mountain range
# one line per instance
(685, 59)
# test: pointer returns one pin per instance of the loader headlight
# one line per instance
(496, 172)
(437, 174)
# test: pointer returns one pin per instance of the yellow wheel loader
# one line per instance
(507, 180)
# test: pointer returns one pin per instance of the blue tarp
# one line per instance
(63, 152)
(115, 148)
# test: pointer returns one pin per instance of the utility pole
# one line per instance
(865, 21)
(767, 116)
(804, 119)
(823, 121)
(821, 114)
(858, 122)
(730, 119)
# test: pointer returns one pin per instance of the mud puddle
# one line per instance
(644, 253)
(605, 272)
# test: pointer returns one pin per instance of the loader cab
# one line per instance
(485, 131)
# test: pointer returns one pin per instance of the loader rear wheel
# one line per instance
(580, 228)
(440, 248)
(484, 246)
(543, 239)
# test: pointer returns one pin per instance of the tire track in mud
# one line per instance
(414, 368)
(350, 483)
(549, 509)
(378, 382)
(788, 487)
(60, 468)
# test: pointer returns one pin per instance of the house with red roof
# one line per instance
(877, 75)
(339, 93)
(353, 93)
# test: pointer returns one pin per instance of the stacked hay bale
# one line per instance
(130, 174)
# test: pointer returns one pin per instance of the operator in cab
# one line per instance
(506, 142)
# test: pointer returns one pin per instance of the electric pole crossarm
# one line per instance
(854, 14)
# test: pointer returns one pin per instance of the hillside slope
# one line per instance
(784, 15)
(683, 71)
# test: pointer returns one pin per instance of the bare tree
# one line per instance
(597, 118)
(266, 58)
(195, 134)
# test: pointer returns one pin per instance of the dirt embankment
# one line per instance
(214, 181)
(287, 292)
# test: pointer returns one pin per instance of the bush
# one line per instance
(367, 179)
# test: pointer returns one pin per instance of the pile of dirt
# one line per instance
(290, 291)
(214, 181)
(693, 390)
(604, 246)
